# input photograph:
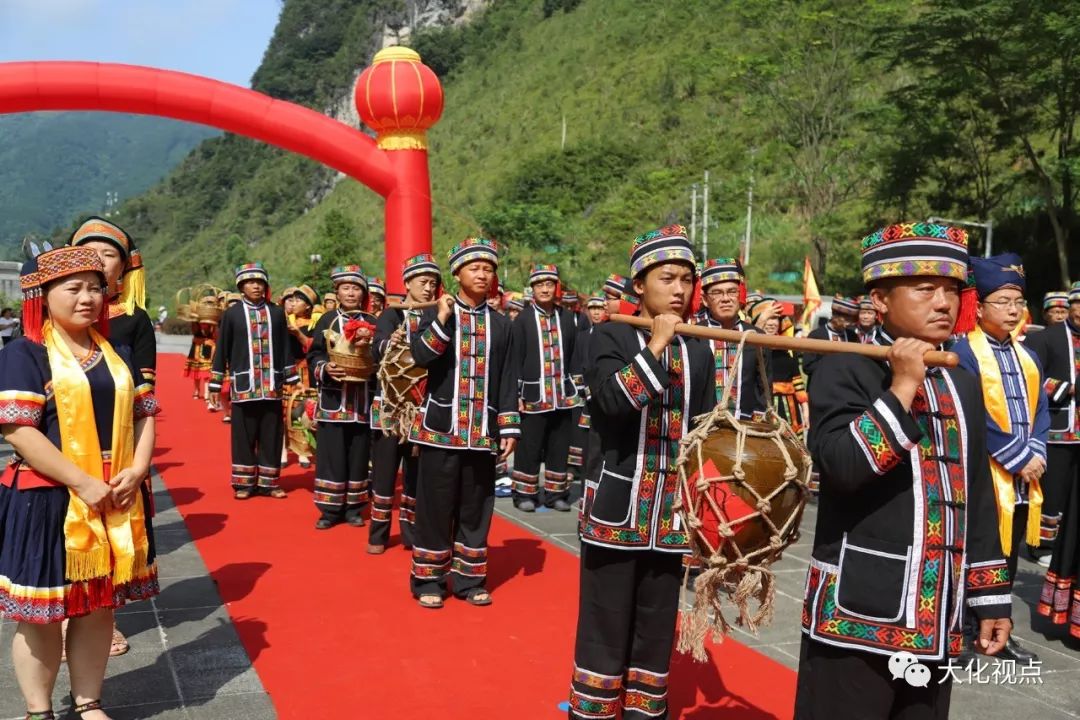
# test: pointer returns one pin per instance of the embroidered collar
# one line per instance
(467, 308)
(254, 306)
(544, 313)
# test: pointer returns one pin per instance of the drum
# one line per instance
(402, 383)
(744, 488)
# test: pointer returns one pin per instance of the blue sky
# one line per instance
(222, 39)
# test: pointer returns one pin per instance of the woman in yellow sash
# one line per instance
(76, 541)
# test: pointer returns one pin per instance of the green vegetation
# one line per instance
(56, 165)
(846, 115)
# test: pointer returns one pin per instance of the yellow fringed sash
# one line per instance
(996, 407)
(116, 545)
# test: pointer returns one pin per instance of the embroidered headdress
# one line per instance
(376, 286)
(49, 266)
(668, 244)
(543, 272)
(420, 265)
(133, 279)
(722, 270)
(251, 271)
(1056, 299)
(845, 307)
(915, 249)
(348, 274)
(471, 249)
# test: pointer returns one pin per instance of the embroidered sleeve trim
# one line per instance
(21, 408)
(1015, 459)
(989, 600)
(216, 381)
(509, 424)
(146, 404)
(873, 441)
(987, 576)
(435, 338)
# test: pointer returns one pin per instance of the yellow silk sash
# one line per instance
(996, 407)
(117, 544)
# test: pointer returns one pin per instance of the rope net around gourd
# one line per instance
(756, 517)
(402, 384)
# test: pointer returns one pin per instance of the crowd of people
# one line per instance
(930, 481)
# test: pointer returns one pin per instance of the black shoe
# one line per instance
(560, 505)
(525, 505)
(325, 523)
(1015, 651)
(356, 521)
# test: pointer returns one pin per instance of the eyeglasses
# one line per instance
(1006, 304)
(715, 294)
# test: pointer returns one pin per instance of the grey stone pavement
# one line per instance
(186, 661)
(1056, 697)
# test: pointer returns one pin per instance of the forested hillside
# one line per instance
(55, 165)
(844, 116)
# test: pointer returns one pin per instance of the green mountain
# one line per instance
(573, 125)
(54, 165)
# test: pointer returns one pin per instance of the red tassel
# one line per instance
(967, 318)
(493, 289)
(695, 299)
(33, 317)
(742, 294)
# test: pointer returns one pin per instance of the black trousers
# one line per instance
(545, 437)
(341, 469)
(455, 498)
(625, 632)
(579, 436)
(257, 430)
(387, 454)
(842, 684)
(1062, 469)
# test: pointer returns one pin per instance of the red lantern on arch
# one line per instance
(399, 98)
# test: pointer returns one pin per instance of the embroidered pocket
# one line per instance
(331, 399)
(612, 501)
(437, 416)
(241, 382)
(530, 391)
(873, 579)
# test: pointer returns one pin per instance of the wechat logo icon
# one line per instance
(903, 665)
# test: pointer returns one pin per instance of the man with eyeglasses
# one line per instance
(1017, 419)
(543, 338)
(845, 312)
(723, 287)
(1058, 349)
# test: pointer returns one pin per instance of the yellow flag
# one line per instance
(811, 296)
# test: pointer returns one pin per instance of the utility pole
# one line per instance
(705, 217)
(693, 218)
(749, 211)
(988, 226)
(562, 145)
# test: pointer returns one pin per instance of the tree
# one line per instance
(335, 243)
(808, 82)
(1019, 62)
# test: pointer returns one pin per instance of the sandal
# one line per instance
(478, 596)
(119, 643)
(85, 707)
(227, 419)
(278, 493)
(432, 602)
(40, 715)
(242, 494)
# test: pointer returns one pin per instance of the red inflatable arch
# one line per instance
(398, 96)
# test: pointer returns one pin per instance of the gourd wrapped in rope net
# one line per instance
(743, 490)
(402, 383)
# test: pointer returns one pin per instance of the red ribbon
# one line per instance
(355, 329)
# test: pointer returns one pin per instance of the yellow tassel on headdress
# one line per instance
(134, 293)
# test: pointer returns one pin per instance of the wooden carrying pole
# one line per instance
(412, 305)
(934, 358)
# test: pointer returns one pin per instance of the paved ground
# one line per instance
(186, 661)
(1056, 697)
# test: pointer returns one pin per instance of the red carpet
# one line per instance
(333, 632)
